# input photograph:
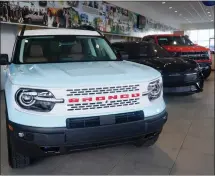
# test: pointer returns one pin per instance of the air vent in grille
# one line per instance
(99, 105)
(86, 122)
(103, 90)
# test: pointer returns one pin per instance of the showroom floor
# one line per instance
(186, 146)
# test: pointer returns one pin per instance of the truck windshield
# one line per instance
(55, 49)
(174, 40)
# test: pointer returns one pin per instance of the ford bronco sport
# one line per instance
(66, 90)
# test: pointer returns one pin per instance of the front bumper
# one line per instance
(38, 142)
(183, 84)
(205, 68)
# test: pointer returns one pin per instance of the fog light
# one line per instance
(21, 134)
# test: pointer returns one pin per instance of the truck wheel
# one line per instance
(15, 160)
(207, 74)
(142, 142)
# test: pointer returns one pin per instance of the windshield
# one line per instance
(158, 51)
(55, 49)
(174, 40)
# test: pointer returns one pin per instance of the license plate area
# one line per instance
(95, 121)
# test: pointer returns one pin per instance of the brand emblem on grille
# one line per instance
(104, 98)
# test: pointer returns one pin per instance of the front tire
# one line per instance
(207, 74)
(15, 160)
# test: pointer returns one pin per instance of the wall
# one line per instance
(8, 35)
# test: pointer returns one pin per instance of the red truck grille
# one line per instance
(103, 91)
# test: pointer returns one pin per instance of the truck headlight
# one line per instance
(154, 89)
(36, 99)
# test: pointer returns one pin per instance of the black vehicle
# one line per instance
(179, 75)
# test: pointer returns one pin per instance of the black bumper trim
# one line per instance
(62, 139)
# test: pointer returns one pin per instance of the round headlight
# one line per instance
(155, 89)
(36, 100)
(26, 98)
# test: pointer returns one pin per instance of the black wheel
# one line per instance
(142, 142)
(207, 73)
(15, 160)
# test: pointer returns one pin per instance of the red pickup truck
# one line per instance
(182, 46)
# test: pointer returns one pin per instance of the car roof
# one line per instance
(144, 42)
(39, 32)
(163, 35)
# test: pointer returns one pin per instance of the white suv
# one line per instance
(66, 89)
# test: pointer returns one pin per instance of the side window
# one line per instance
(151, 40)
(145, 39)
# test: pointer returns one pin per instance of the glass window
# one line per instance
(159, 51)
(64, 49)
(203, 34)
(211, 33)
(174, 40)
(193, 35)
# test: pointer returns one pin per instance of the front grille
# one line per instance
(191, 77)
(180, 79)
(86, 122)
(100, 105)
(195, 55)
(103, 90)
(80, 106)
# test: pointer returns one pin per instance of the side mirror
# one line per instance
(4, 60)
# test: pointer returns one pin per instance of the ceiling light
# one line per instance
(209, 12)
(209, 15)
(212, 20)
(163, 2)
(170, 7)
(176, 11)
(180, 14)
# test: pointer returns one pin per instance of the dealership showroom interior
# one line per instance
(107, 87)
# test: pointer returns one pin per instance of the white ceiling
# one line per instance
(183, 14)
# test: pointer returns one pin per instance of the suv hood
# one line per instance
(194, 48)
(62, 75)
(169, 64)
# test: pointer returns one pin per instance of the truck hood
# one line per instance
(195, 48)
(169, 64)
(62, 75)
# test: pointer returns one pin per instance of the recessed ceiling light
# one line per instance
(163, 2)
(209, 12)
(180, 14)
(176, 11)
(170, 7)
(209, 15)
(212, 20)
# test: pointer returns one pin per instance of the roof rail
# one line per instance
(23, 30)
(88, 27)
